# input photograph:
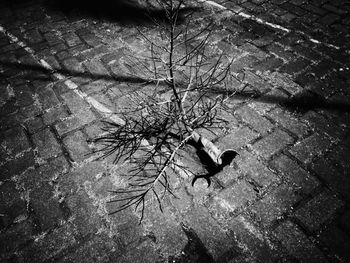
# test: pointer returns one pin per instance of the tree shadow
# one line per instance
(300, 103)
(125, 12)
(32, 72)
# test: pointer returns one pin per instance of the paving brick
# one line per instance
(337, 180)
(304, 101)
(344, 221)
(272, 144)
(288, 17)
(77, 51)
(14, 141)
(323, 125)
(256, 82)
(52, 39)
(73, 66)
(17, 166)
(293, 9)
(253, 241)
(24, 95)
(251, 117)
(95, 249)
(310, 147)
(104, 100)
(229, 49)
(227, 176)
(294, 67)
(329, 19)
(96, 68)
(228, 120)
(315, 9)
(239, 137)
(56, 49)
(274, 205)
(46, 207)
(82, 114)
(92, 52)
(49, 246)
(14, 237)
(12, 205)
(46, 143)
(91, 40)
(84, 214)
(34, 124)
(270, 64)
(280, 52)
(308, 53)
(72, 39)
(322, 89)
(298, 244)
(54, 114)
(289, 40)
(289, 122)
(243, 62)
(334, 9)
(255, 170)
(75, 103)
(230, 200)
(253, 50)
(337, 244)
(94, 130)
(268, 101)
(166, 229)
(94, 87)
(74, 122)
(48, 98)
(263, 41)
(10, 122)
(43, 176)
(302, 181)
(77, 146)
(284, 81)
(340, 156)
(323, 68)
(214, 237)
(318, 210)
(144, 251)
(62, 55)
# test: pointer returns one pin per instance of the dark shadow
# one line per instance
(38, 72)
(194, 251)
(301, 103)
(125, 12)
(211, 167)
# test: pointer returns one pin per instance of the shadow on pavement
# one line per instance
(125, 12)
(302, 102)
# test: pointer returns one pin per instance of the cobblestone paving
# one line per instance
(285, 198)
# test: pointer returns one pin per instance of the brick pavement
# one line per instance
(284, 198)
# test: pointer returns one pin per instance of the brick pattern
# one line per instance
(284, 198)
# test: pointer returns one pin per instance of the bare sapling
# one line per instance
(181, 72)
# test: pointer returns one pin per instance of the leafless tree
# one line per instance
(183, 70)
